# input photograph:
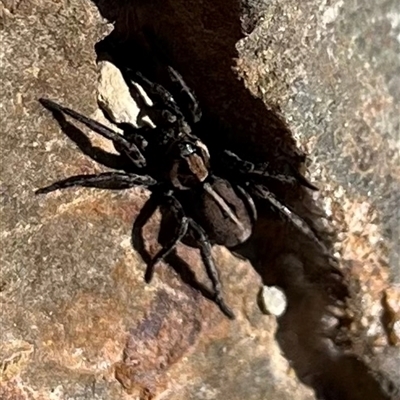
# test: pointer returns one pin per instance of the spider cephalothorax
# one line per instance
(177, 168)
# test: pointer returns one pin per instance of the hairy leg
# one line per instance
(106, 180)
(187, 97)
(212, 272)
(145, 214)
(162, 97)
(177, 209)
(263, 193)
(251, 208)
(166, 250)
(233, 161)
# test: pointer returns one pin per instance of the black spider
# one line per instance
(176, 166)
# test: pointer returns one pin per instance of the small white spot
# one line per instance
(273, 300)
(331, 13)
(394, 19)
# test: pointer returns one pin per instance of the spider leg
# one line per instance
(129, 148)
(232, 160)
(301, 179)
(106, 180)
(212, 272)
(263, 193)
(161, 94)
(205, 250)
(166, 250)
(297, 178)
(143, 217)
(251, 208)
(179, 213)
(187, 95)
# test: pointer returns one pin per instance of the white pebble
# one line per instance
(273, 300)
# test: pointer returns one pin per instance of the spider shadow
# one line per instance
(114, 161)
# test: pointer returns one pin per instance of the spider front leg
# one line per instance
(188, 98)
(129, 148)
(163, 98)
(106, 180)
(212, 272)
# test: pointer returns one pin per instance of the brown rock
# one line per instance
(71, 287)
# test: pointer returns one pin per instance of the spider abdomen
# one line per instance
(224, 213)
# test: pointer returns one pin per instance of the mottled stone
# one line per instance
(71, 287)
(15, 356)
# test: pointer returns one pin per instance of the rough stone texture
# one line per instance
(78, 321)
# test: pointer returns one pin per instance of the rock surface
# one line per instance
(77, 319)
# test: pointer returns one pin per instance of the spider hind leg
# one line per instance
(166, 250)
(231, 160)
(186, 225)
(263, 193)
(212, 272)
